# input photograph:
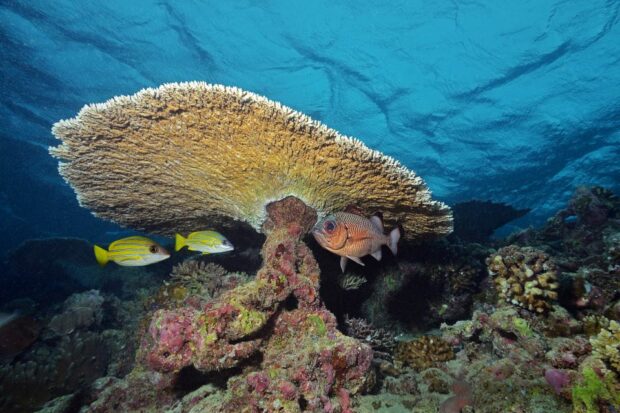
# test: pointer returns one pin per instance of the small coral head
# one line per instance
(330, 233)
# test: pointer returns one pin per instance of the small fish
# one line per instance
(353, 236)
(132, 252)
(207, 242)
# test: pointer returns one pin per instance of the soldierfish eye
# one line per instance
(329, 226)
(153, 249)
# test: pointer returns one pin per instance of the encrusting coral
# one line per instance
(525, 277)
(190, 155)
(423, 352)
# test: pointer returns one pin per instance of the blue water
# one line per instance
(511, 102)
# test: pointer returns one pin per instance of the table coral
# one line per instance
(525, 277)
(192, 155)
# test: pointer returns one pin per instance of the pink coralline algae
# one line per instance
(305, 363)
(462, 397)
(557, 379)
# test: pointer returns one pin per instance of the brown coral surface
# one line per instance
(193, 155)
(423, 352)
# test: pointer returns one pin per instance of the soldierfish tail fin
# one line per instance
(394, 237)
(101, 255)
(179, 242)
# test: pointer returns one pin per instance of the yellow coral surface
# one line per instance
(606, 346)
(193, 155)
(525, 277)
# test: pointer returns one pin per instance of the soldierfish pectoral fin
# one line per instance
(101, 255)
(357, 260)
(394, 237)
(343, 263)
(377, 255)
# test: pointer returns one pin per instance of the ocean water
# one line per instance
(508, 112)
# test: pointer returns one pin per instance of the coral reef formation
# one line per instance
(423, 352)
(381, 341)
(292, 359)
(525, 277)
(206, 280)
(81, 310)
(226, 153)
(606, 346)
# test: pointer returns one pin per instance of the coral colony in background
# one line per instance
(452, 324)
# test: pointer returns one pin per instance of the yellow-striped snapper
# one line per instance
(133, 251)
(206, 242)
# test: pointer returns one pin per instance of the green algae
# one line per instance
(317, 324)
(594, 390)
(249, 321)
(522, 327)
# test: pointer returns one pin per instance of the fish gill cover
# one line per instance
(514, 103)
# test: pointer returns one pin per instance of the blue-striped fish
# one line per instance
(132, 252)
(207, 242)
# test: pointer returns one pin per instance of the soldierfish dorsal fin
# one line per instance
(354, 209)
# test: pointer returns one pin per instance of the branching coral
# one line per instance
(189, 155)
(423, 352)
(525, 277)
(381, 340)
(606, 346)
(207, 280)
(350, 281)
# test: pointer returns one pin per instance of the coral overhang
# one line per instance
(186, 155)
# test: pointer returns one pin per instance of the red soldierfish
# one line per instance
(353, 236)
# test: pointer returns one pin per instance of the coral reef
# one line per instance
(207, 280)
(606, 346)
(423, 352)
(228, 153)
(52, 370)
(525, 277)
(81, 310)
(380, 340)
(293, 359)
(16, 335)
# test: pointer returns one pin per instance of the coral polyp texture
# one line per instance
(525, 277)
(606, 346)
(423, 352)
(189, 155)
